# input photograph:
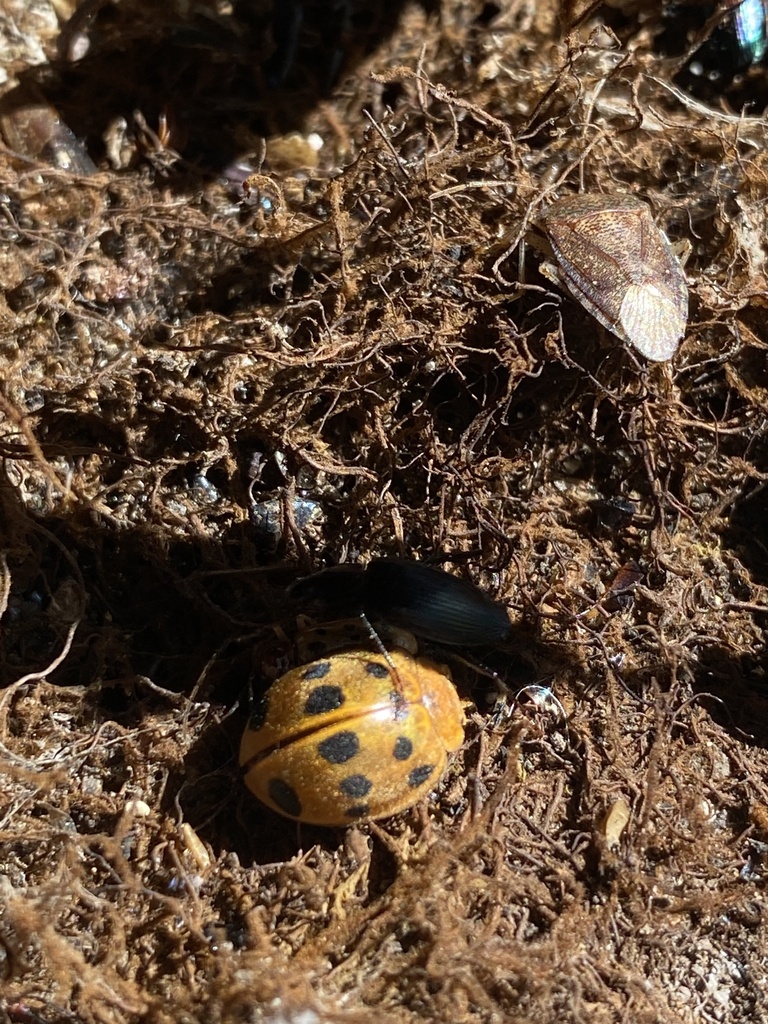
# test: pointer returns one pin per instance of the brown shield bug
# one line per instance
(621, 268)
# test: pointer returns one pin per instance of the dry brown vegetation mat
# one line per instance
(205, 396)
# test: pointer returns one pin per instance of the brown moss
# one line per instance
(206, 394)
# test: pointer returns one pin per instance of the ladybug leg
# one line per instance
(503, 692)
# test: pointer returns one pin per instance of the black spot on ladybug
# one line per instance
(316, 671)
(285, 797)
(402, 749)
(358, 811)
(356, 786)
(420, 775)
(377, 670)
(323, 699)
(259, 713)
(339, 748)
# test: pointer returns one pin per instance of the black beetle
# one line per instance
(428, 602)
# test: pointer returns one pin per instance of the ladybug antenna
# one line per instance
(378, 643)
(376, 640)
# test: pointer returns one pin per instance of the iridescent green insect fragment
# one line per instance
(621, 268)
(749, 23)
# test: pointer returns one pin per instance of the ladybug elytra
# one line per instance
(352, 736)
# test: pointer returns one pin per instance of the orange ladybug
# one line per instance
(352, 736)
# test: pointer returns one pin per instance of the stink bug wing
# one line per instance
(596, 274)
(585, 290)
(590, 236)
(621, 267)
(674, 277)
(650, 321)
(654, 310)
